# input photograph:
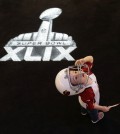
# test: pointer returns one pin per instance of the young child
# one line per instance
(80, 80)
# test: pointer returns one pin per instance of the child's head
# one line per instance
(72, 80)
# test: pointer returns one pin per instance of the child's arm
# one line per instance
(84, 60)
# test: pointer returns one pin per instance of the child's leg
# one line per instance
(95, 115)
(83, 111)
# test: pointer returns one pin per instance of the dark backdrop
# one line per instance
(29, 101)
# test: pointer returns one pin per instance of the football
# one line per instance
(50, 13)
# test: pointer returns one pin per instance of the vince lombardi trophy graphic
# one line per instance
(51, 45)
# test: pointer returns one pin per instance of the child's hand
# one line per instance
(105, 108)
(79, 62)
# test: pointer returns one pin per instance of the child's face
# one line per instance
(77, 78)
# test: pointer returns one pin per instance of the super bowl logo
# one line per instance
(43, 45)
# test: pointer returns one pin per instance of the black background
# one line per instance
(29, 101)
